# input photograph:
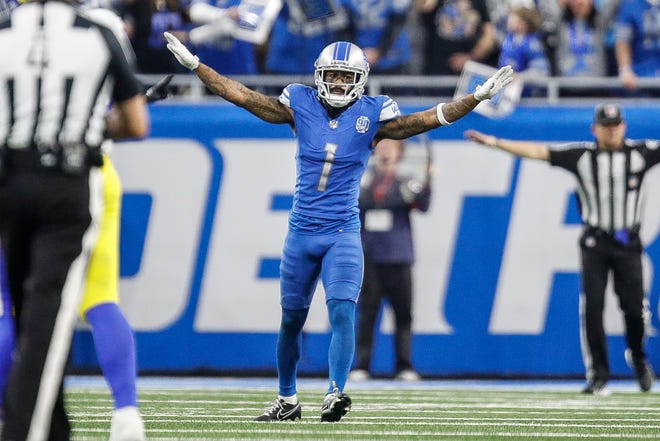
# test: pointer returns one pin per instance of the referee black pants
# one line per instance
(48, 228)
(391, 281)
(602, 254)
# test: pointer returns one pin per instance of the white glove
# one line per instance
(181, 53)
(494, 84)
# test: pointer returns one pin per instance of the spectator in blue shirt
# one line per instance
(214, 41)
(522, 47)
(378, 27)
(298, 37)
(550, 11)
(637, 41)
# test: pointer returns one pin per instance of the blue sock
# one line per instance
(115, 349)
(7, 344)
(289, 342)
(342, 344)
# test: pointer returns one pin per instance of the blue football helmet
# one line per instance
(346, 57)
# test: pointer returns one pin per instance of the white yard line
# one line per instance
(220, 383)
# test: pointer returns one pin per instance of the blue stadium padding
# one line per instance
(470, 350)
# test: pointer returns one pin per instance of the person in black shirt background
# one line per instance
(386, 201)
(609, 172)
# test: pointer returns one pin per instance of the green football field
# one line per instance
(382, 410)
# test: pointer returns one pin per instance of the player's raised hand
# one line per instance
(181, 53)
(494, 84)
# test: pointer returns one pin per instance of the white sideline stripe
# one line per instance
(609, 425)
(431, 421)
(434, 423)
(446, 406)
(393, 413)
(297, 433)
(209, 384)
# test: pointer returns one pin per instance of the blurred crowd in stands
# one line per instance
(574, 38)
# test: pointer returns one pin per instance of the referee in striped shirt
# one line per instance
(59, 72)
(609, 173)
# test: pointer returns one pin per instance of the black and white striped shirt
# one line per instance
(610, 183)
(59, 71)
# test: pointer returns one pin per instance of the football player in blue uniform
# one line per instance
(337, 128)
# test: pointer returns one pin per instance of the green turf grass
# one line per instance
(381, 414)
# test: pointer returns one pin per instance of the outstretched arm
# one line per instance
(263, 106)
(444, 113)
(524, 149)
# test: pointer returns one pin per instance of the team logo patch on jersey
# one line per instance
(333, 124)
(362, 124)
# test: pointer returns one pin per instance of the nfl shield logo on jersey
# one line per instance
(362, 124)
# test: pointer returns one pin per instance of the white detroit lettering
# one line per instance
(233, 298)
(177, 174)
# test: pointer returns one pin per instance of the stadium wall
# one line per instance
(496, 279)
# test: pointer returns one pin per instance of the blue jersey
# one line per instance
(524, 52)
(331, 157)
(228, 56)
(295, 42)
(638, 23)
(372, 18)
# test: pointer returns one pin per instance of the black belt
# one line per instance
(74, 162)
(596, 231)
(623, 236)
(21, 159)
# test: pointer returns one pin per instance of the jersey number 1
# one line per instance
(330, 152)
